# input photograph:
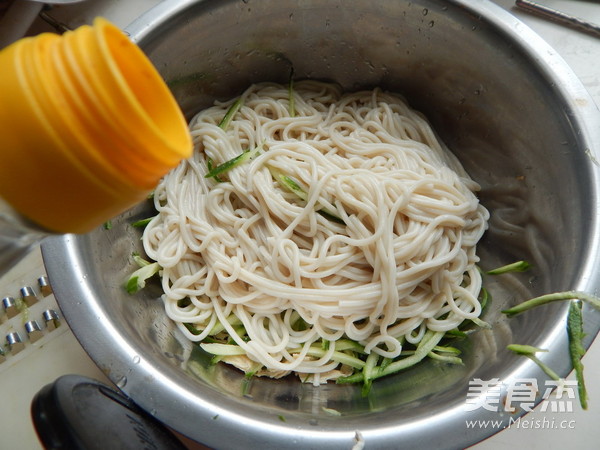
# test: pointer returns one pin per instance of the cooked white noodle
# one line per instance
(403, 260)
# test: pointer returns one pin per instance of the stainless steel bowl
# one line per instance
(508, 106)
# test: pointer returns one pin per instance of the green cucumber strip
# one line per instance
(223, 349)
(141, 262)
(340, 357)
(576, 349)
(329, 216)
(137, 280)
(233, 320)
(385, 362)
(192, 329)
(210, 167)
(455, 333)
(429, 341)
(246, 155)
(525, 349)
(530, 351)
(445, 358)
(141, 223)
(291, 185)
(347, 344)
(484, 298)
(445, 349)
(481, 323)
(233, 109)
(518, 266)
(549, 298)
(228, 165)
(369, 370)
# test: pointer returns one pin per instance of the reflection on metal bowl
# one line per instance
(505, 103)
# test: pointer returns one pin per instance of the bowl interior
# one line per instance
(490, 89)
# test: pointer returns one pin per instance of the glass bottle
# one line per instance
(17, 236)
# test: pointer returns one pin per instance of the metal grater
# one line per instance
(29, 314)
(38, 347)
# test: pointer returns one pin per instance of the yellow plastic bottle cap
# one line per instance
(88, 127)
(37, 176)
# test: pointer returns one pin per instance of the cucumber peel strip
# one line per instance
(576, 349)
(518, 266)
(233, 109)
(137, 280)
(246, 155)
(291, 185)
(550, 298)
(529, 352)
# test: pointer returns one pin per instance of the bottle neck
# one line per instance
(18, 236)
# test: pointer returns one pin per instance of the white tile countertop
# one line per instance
(57, 352)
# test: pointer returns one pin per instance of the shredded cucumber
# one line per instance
(576, 349)
(223, 349)
(291, 185)
(141, 223)
(529, 352)
(246, 155)
(233, 109)
(210, 167)
(519, 266)
(550, 298)
(429, 341)
(137, 280)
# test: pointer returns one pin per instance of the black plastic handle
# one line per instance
(76, 413)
